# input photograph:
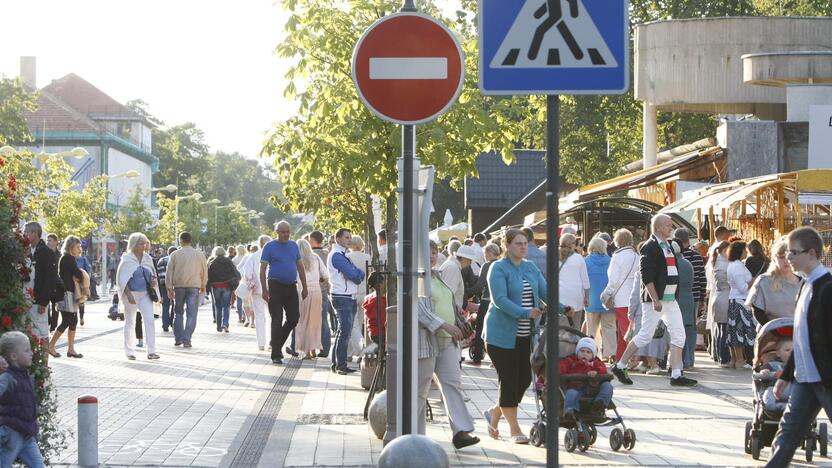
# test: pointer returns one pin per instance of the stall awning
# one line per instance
(642, 178)
(719, 197)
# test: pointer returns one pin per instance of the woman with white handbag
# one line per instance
(138, 289)
(69, 273)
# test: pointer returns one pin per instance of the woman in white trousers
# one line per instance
(135, 276)
(251, 275)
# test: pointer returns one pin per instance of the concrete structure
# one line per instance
(697, 65)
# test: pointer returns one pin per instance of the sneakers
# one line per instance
(622, 375)
(682, 381)
(463, 439)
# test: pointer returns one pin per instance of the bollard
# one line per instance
(87, 430)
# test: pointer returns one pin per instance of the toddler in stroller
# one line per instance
(586, 394)
(772, 349)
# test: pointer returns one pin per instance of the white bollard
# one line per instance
(87, 430)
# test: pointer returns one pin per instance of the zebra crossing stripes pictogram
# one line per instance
(553, 34)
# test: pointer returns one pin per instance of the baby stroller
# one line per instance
(582, 432)
(760, 432)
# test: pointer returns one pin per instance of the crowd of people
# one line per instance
(644, 308)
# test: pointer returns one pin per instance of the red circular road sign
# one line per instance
(408, 68)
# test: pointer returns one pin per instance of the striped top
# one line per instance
(524, 326)
(672, 272)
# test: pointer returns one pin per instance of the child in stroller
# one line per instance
(589, 405)
(771, 349)
(584, 362)
(768, 375)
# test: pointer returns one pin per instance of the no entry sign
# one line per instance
(408, 68)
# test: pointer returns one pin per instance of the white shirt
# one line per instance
(250, 270)
(622, 273)
(572, 281)
(360, 260)
(739, 279)
(479, 257)
(451, 274)
(338, 283)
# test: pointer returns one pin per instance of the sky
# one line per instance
(210, 62)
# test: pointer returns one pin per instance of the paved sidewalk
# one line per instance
(222, 403)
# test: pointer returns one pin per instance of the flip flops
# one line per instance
(492, 431)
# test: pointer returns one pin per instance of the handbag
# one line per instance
(69, 304)
(659, 333)
(609, 304)
(151, 291)
(462, 324)
(242, 291)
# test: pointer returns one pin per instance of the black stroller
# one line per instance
(760, 432)
(582, 432)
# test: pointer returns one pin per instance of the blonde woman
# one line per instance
(600, 321)
(135, 277)
(774, 293)
(308, 331)
(69, 274)
(237, 260)
(251, 275)
(573, 280)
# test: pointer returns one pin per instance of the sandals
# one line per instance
(54, 353)
(74, 354)
(519, 439)
(492, 431)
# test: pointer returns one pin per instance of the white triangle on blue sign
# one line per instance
(553, 34)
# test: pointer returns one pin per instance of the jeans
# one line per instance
(222, 299)
(689, 351)
(167, 305)
(13, 445)
(345, 311)
(240, 312)
(719, 346)
(478, 347)
(572, 400)
(213, 305)
(326, 334)
(804, 405)
(185, 297)
(282, 297)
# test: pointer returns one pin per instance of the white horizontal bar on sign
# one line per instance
(408, 68)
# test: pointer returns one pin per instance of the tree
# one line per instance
(79, 211)
(134, 217)
(14, 100)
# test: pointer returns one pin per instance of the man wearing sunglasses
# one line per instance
(809, 369)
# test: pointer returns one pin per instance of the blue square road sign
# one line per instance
(554, 46)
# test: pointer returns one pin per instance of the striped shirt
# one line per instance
(672, 272)
(524, 326)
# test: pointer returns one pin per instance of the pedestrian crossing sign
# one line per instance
(554, 47)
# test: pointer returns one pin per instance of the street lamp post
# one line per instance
(214, 202)
(131, 174)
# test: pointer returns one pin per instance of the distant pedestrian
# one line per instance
(54, 243)
(360, 259)
(809, 369)
(774, 293)
(241, 254)
(375, 308)
(316, 241)
(308, 331)
(251, 276)
(40, 280)
(621, 275)
(492, 254)
(223, 278)
(718, 291)
(700, 284)
(741, 327)
(161, 270)
(84, 265)
(186, 277)
(600, 321)
(756, 262)
(573, 280)
(18, 404)
(344, 278)
(282, 259)
(136, 279)
(70, 274)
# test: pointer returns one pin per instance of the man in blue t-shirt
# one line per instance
(282, 258)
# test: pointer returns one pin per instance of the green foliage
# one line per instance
(15, 301)
(135, 216)
(14, 98)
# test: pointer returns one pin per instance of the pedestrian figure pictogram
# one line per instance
(552, 27)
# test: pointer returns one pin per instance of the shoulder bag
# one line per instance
(151, 291)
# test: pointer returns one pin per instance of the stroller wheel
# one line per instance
(629, 439)
(537, 434)
(616, 439)
(570, 440)
(810, 448)
(593, 434)
(748, 427)
(823, 439)
(584, 440)
(755, 446)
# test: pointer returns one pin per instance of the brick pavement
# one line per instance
(216, 405)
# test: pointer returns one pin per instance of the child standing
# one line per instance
(371, 306)
(18, 404)
(771, 372)
(585, 362)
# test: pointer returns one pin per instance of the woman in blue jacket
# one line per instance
(516, 287)
(600, 321)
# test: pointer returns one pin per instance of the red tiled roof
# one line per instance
(55, 115)
(82, 96)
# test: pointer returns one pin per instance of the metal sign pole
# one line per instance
(552, 242)
(406, 244)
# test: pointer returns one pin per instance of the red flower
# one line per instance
(12, 183)
(6, 321)
(2, 162)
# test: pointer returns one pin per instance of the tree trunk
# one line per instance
(390, 227)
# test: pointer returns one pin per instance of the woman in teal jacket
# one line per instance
(517, 287)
